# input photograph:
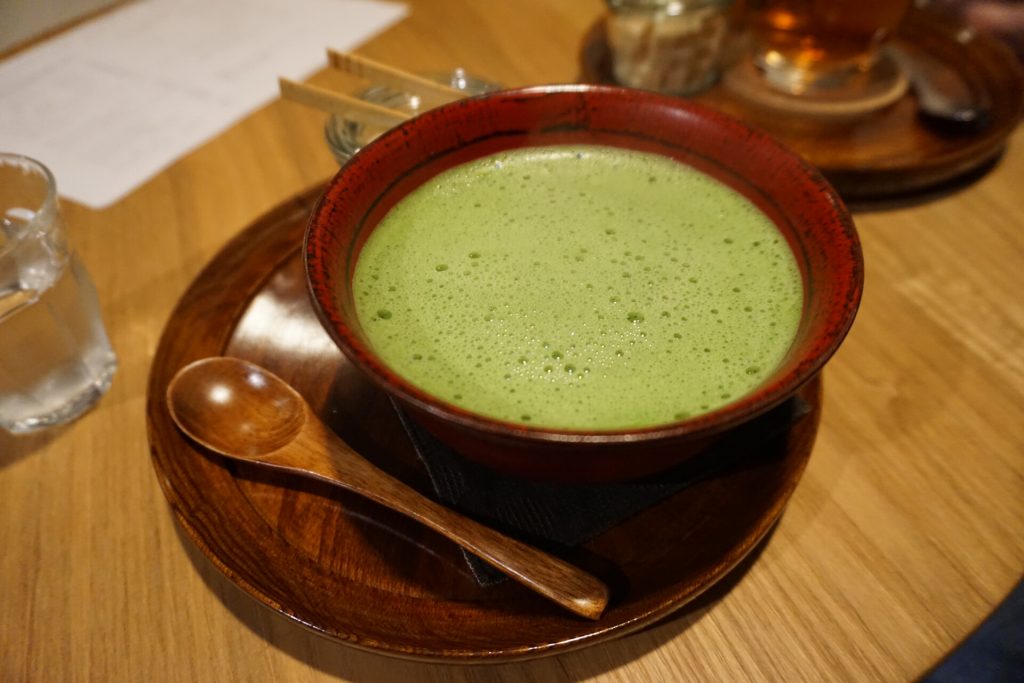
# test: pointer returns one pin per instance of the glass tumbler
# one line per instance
(55, 357)
(803, 45)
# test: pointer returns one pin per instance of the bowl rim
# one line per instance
(762, 398)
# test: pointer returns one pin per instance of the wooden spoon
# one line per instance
(245, 412)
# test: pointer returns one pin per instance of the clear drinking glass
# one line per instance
(822, 57)
(806, 44)
(55, 358)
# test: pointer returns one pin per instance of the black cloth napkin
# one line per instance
(552, 514)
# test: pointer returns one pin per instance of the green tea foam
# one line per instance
(585, 287)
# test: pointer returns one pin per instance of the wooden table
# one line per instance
(905, 532)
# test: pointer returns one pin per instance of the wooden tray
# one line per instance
(890, 152)
(365, 576)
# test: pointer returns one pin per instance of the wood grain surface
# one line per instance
(904, 533)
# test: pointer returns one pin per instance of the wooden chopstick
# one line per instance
(352, 108)
(431, 92)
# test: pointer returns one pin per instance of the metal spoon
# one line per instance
(245, 412)
(944, 98)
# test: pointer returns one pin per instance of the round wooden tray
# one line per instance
(890, 152)
(365, 576)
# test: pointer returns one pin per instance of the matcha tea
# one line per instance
(579, 287)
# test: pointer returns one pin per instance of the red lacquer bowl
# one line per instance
(806, 210)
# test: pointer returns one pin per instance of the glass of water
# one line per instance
(55, 358)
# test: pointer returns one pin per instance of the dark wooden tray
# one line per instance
(890, 152)
(365, 576)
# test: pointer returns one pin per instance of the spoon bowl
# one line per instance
(241, 409)
(245, 412)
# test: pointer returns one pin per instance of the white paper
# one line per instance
(112, 102)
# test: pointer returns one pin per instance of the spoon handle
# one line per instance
(569, 586)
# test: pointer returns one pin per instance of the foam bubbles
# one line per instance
(533, 320)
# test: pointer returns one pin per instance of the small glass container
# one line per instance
(671, 46)
(346, 137)
(56, 361)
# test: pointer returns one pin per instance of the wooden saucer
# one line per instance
(888, 152)
(881, 87)
(365, 576)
